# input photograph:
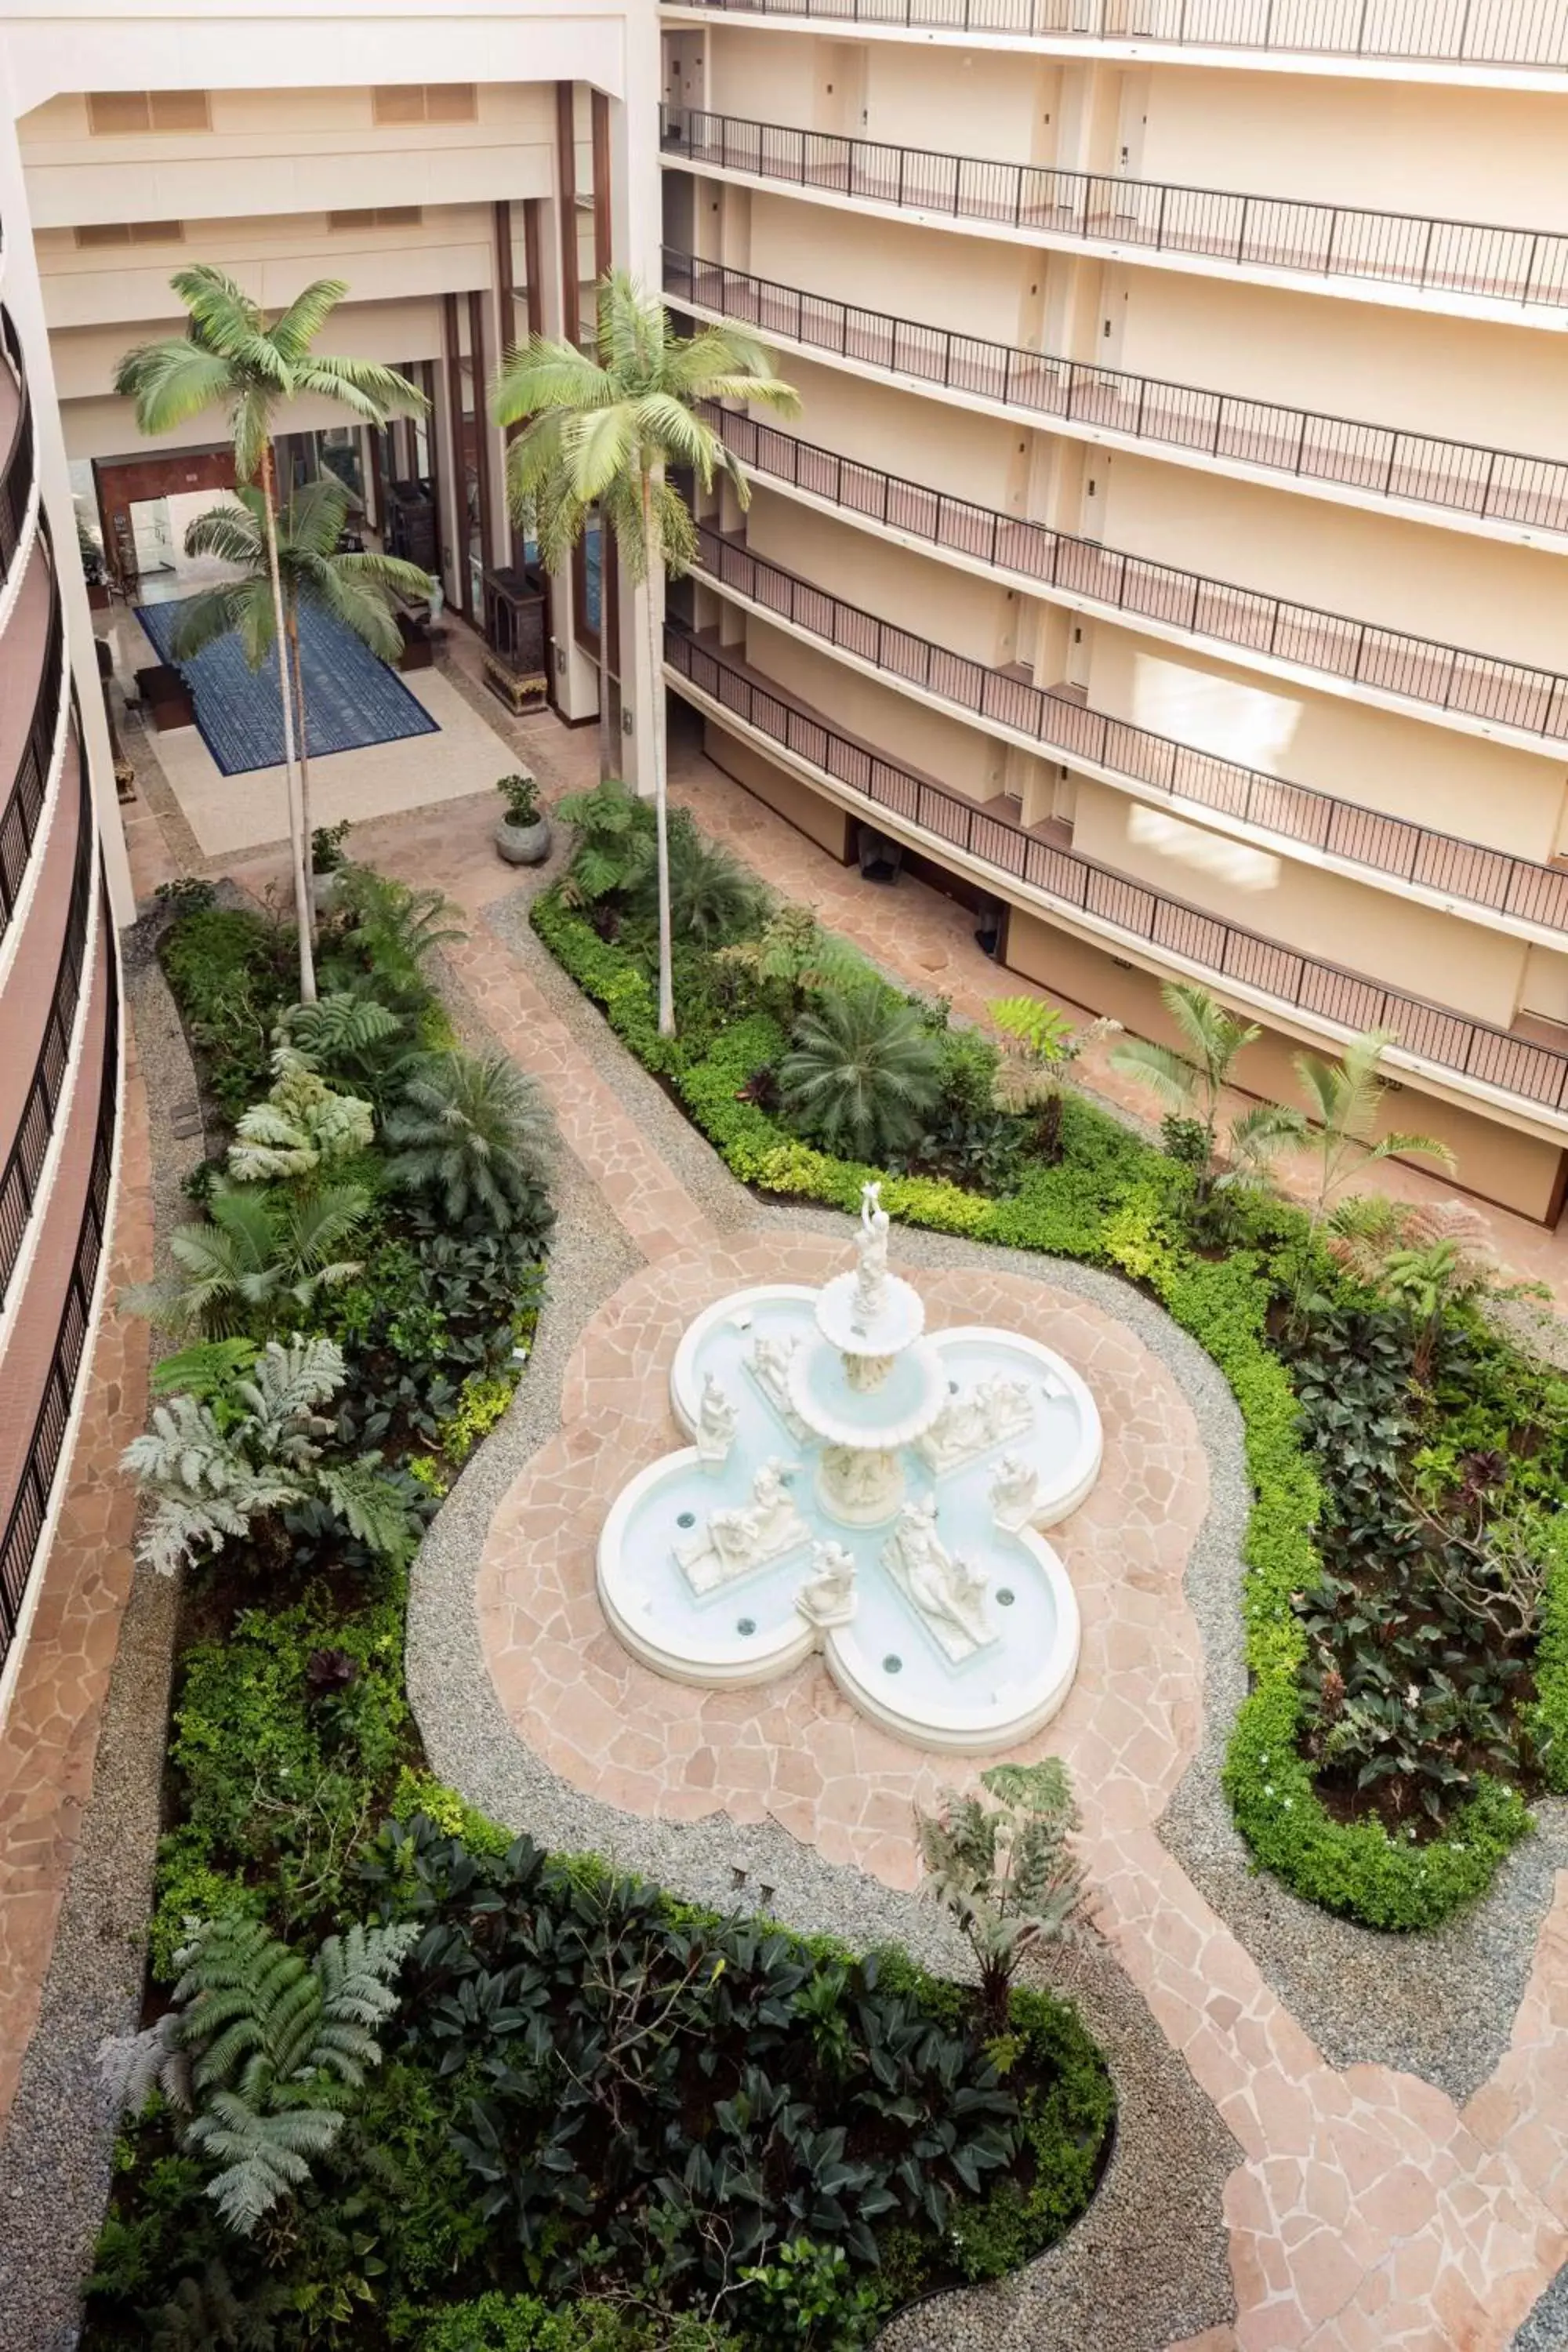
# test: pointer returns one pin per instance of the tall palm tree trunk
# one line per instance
(302, 907)
(609, 754)
(306, 832)
(660, 796)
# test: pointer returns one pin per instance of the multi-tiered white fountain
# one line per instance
(858, 1487)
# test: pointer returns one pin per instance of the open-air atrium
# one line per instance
(784, 1131)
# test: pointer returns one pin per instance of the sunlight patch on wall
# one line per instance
(1235, 864)
(1250, 724)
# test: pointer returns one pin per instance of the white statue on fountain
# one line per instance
(715, 1425)
(748, 1535)
(947, 1594)
(827, 1597)
(1015, 1490)
(871, 1251)
(967, 1426)
(769, 1364)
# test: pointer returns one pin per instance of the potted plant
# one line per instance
(92, 567)
(522, 837)
(327, 861)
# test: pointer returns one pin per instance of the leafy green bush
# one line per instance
(520, 2323)
(1114, 1201)
(231, 973)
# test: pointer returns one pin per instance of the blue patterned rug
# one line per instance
(351, 698)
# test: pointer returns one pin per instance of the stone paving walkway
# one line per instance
(1369, 2210)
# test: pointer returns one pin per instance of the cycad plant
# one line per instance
(232, 357)
(1001, 1863)
(712, 896)
(861, 1072)
(263, 2053)
(259, 1260)
(1190, 1084)
(601, 433)
(245, 1440)
(473, 1133)
(355, 591)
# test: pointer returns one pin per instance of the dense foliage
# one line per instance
(1407, 1596)
(418, 2084)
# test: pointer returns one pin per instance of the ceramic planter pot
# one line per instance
(523, 845)
(324, 891)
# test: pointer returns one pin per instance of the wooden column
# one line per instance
(481, 431)
(566, 198)
(455, 442)
(603, 259)
(532, 261)
(602, 248)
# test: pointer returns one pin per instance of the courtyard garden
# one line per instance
(404, 2078)
(1407, 1594)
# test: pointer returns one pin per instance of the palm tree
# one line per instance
(603, 433)
(1190, 1084)
(230, 357)
(1342, 1101)
(355, 590)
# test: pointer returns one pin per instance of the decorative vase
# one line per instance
(523, 845)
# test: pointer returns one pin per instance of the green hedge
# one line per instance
(1115, 1201)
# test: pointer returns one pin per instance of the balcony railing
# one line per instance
(30, 1509)
(1454, 477)
(1479, 686)
(1460, 32)
(23, 1167)
(1293, 813)
(1448, 1043)
(16, 465)
(28, 786)
(1529, 267)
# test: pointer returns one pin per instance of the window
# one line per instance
(422, 102)
(379, 216)
(130, 232)
(120, 113)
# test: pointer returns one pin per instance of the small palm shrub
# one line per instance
(261, 1260)
(712, 896)
(1002, 1866)
(389, 931)
(862, 1072)
(264, 2052)
(473, 1133)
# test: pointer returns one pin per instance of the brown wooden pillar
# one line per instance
(566, 198)
(481, 431)
(454, 384)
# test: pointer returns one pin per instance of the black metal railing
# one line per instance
(1529, 267)
(1452, 476)
(1448, 1042)
(30, 1505)
(16, 465)
(1462, 32)
(1295, 813)
(29, 783)
(1446, 677)
(23, 1165)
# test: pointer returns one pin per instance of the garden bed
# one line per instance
(598, 2107)
(1402, 1542)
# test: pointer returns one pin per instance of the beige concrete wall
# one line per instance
(942, 748)
(1519, 1171)
(282, 150)
(1481, 595)
(968, 455)
(1374, 932)
(1409, 147)
(819, 819)
(959, 613)
(974, 287)
(1457, 783)
(763, 76)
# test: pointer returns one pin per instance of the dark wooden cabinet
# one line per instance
(411, 524)
(517, 637)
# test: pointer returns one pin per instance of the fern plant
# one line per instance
(303, 1126)
(794, 953)
(392, 932)
(862, 1071)
(262, 2051)
(260, 1259)
(474, 1133)
(1001, 1864)
(213, 1461)
(615, 850)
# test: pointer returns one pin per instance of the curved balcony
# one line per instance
(1495, 33)
(1443, 679)
(41, 1392)
(1325, 245)
(16, 468)
(1433, 479)
(1446, 1045)
(32, 688)
(30, 1095)
(1375, 847)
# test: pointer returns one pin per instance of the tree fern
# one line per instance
(263, 2049)
(370, 1504)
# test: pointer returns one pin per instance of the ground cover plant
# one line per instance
(1407, 1593)
(401, 2079)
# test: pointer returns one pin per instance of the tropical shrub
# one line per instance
(472, 1135)
(1000, 1863)
(231, 973)
(861, 1071)
(260, 1261)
